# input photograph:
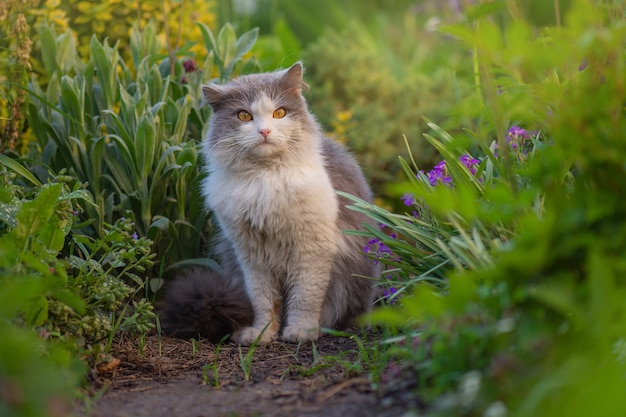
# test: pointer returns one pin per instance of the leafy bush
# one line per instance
(525, 242)
(63, 294)
(87, 283)
(375, 83)
(133, 137)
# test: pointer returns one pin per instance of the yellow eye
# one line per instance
(244, 116)
(279, 113)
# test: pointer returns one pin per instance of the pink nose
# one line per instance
(265, 132)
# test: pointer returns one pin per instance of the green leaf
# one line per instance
(72, 101)
(66, 52)
(19, 168)
(105, 60)
(145, 145)
(97, 159)
(246, 42)
(36, 311)
(518, 36)
(227, 44)
(35, 214)
(207, 37)
(71, 299)
(484, 9)
(178, 135)
(47, 37)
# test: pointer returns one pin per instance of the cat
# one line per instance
(288, 270)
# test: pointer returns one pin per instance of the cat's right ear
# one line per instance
(213, 95)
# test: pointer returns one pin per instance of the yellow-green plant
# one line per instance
(15, 50)
(112, 19)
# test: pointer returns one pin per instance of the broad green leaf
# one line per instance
(72, 100)
(178, 135)
(127, 110)
(145, 145)
(246, 42)
(47, 37)
(227, 44)
(51, 236)
(188, 155)
(123, 136)
(155, 85)
(105, 59)
(207, 72)
(159, 225)
(66, 52)
(96, 152)
(208, 38)
(121, 166)
(35, 214)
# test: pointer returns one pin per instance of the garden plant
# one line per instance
(496, 146)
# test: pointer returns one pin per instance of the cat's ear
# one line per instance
(213, 94)
(292, 78)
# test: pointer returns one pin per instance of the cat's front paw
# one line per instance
(297, 334)
(250, 335)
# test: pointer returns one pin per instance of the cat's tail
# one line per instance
(204, 303)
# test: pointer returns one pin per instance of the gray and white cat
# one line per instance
(288, 270)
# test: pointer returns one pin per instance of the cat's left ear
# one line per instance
(213, 94)
(293, 78)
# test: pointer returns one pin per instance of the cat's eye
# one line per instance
(244, 116)
(279, 113)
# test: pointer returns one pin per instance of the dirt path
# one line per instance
(181, 378)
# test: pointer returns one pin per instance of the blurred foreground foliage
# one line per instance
(505, 276)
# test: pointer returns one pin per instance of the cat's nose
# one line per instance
(265, 132)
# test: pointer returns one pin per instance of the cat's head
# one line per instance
(258, 117)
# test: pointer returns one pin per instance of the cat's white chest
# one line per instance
(271, 200)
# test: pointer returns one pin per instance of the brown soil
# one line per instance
(173, 377)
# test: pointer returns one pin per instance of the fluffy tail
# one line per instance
(205, 303)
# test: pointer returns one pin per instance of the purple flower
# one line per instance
(439, 174)
(517, 132)
(378, 249)
(470, 163)
(135, 236)
(388, 293)
(408, 199)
